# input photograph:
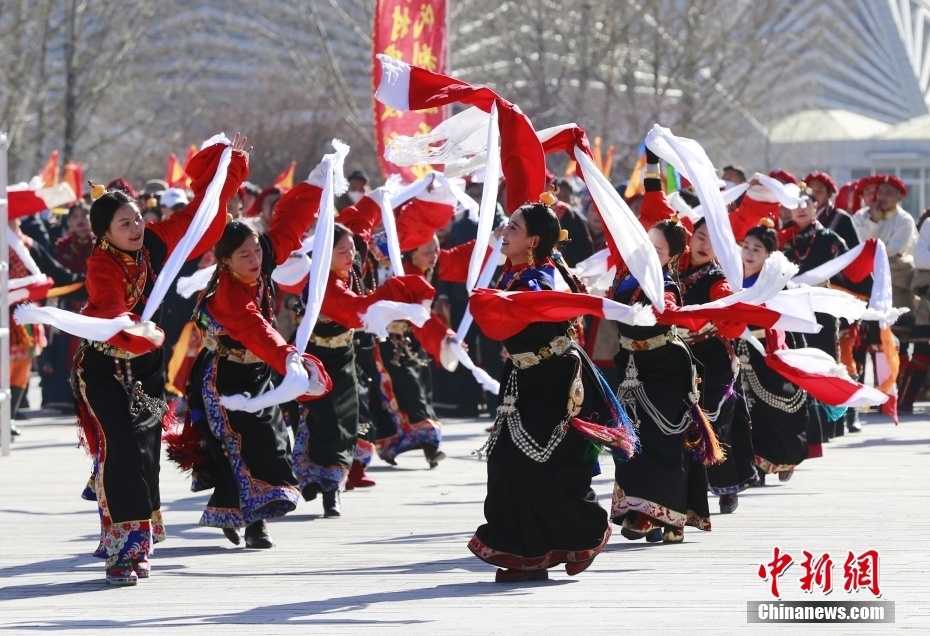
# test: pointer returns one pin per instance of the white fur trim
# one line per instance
(638, 315)
(292, 271)
(220, 138)
(189, 285)
(382, 313)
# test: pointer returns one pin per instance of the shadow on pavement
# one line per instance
(322, 612)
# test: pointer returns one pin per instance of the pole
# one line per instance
(5, 423)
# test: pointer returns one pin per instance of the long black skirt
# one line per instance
(779, 412)
(249, 452)
(662, 481)
(541, 514)
(327, 428)
(126, 448)
(822, 425)
(408, 420)
(727, 411)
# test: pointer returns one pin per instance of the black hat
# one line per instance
(358, 175)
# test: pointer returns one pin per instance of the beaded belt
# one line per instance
(399, 328)
(333, 342)
(115, 352)
(241, 356)
(558, 346)
(650, 343)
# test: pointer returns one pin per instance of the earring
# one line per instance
(531, 262)
(104, 244)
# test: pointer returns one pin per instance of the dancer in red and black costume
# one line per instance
(249, 464)
(327, 429)
(778, 408)
(540, 509)
(119, 384)
(406, 357)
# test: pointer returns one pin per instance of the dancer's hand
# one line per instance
(238, 145)
(317, 386)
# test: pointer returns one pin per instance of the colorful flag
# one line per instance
(413, 31)
(672, 180)
(635, 186)
(608, 162)
(74, 176)
(191, 151)
(49, 173)
(175, 176)
(285, 180)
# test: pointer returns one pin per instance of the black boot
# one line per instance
(16, 397)
(257, 537)
(309, 491)
(853, 425)
(233, 535)
(331, 504)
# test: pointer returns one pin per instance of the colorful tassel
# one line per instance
(614, 438)
(185, 446)
(620, 419)
(701, 439)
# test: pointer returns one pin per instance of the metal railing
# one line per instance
(5, 422)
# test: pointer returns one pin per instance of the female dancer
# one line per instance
(327, 429)
(663, 488)
(540, 508)
(701, 281)
(248, 451)
(404, 370)
(777, 407)
(119, 384)
(809, 244)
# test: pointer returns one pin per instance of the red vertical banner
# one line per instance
(414, 31)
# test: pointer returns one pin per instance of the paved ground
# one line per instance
(397, 562)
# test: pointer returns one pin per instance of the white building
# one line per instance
(869, 102)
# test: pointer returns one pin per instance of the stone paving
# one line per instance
(396, 562)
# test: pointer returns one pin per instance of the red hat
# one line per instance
(846, 198)
(256, 208)
(890, 179)
(784, 176)
(119, 183)
(872, 179)
(419, 219)
(823, 178)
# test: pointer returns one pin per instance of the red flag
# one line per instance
(191, 151)
(285, 180)
(175, 176)
(49, 173)
(74, 177)
(414, 32)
